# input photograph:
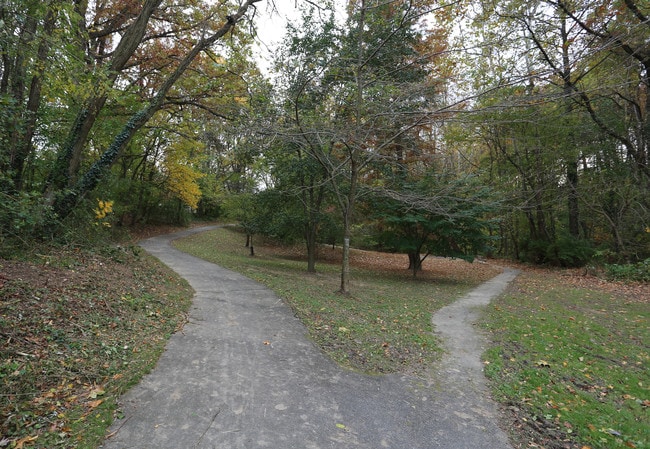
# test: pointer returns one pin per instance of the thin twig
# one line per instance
(207, 428)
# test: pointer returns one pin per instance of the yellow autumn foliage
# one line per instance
(182, 183)
(103, 209)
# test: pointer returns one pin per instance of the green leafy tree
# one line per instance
(27, 41)
(435, 215)
(557, 117)
(361, 91)
(80, 80)
(134, 34)
(295, 170)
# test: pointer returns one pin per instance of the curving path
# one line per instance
(219, 384)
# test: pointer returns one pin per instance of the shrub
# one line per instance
(568, 251)
(639, 271)
(23, 216)
(565, 251)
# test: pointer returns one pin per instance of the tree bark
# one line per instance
(344, 288)
(415, 262)
(64, 204)
(14, 82)
(312, 252)
(68, 162)
(571, 162)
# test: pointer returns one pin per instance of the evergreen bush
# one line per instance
(23, 217)
(639, 271)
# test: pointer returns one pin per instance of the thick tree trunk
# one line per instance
(415, 262)
(65, 203)
(68, 162)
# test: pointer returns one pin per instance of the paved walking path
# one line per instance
(219, 384)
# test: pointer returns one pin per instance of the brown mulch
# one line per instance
(633, 292)
(432, 267)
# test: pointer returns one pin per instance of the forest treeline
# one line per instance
(503, 128)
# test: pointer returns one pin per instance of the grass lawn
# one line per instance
(570, 360)
(383, 326)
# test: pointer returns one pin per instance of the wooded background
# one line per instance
(506, 128)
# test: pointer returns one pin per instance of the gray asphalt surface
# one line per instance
(243, 374)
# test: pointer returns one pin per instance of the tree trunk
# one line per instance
(574, 209)
(345, 266)
(346, 207)
(415, 262)
(571, 161)
(312, 250)
(347, 217)
(14, 77)
(64, 204)
(312, 200)
(24, 145)
(68, 160)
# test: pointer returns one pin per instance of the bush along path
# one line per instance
(243, 374)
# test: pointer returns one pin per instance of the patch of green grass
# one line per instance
(383, 326)
(573, 361)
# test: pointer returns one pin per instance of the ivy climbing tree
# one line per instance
(65, 202)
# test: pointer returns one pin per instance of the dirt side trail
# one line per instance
(460, 372)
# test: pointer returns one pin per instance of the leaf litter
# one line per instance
(70, 342)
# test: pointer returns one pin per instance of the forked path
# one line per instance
(243, 374)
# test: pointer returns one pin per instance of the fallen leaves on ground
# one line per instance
(66, 336)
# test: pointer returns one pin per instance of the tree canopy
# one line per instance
(518, 129)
